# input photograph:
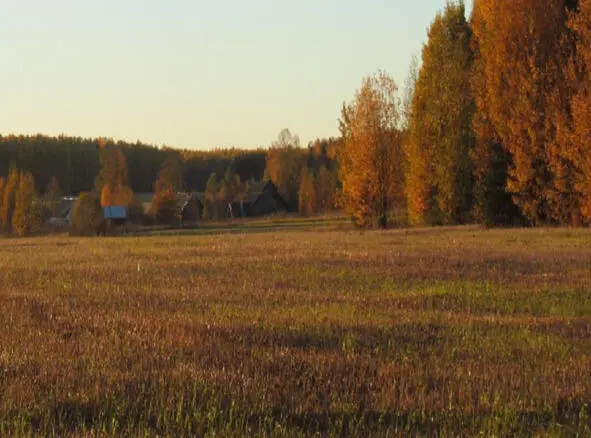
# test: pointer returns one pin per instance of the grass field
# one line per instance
(285, 329)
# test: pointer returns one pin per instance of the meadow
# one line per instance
(295, 329)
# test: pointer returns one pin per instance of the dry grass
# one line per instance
(298, 331)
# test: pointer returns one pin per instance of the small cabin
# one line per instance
(262, 199)
(191, 207)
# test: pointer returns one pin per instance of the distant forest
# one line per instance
(74, 161)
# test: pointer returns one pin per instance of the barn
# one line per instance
(262, 199)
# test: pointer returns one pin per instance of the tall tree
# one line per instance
(439, 181)
(493, 204)
(326, 187)
(572, 108)
(231, 187)
(409, 90)
(210, 197)
(285, 159)
(111, 182)
(26, 217)
(520, 63)
(372, 161)
(2, 186)
(170, 181)
(307, 193)
(9, 199)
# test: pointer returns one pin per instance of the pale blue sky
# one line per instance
(195, 73)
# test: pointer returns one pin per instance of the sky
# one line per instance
(197, 74)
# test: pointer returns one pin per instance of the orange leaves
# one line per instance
(519, 73)
(112, 178)
(307, 193)
(372, 161)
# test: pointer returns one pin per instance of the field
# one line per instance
(287, 329)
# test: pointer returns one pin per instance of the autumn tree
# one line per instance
(440, 137)
(112, 180)
(2, 186)
(326, 187)
(26, 217)
(231, 187)
(493, 204)
(210, 198)
(372, 160)
(169, 183)
(285, 159)
(520, 63)
(9, 199)
(572, 109)
(87, 216)
(409, 91)
(582, 108)
(307, 193)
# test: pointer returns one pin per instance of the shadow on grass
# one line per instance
(244, 227)
(209, 416)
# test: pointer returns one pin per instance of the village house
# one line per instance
(261, 199)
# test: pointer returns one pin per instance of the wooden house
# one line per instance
(262, 199)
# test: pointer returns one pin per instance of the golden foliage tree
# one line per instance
(572, 148)
(493, 204)
(440, 138)
(2, 186)
(170, 181)
(9, 199)
(26, 217)
(521, 62)
(582, 108)
(307, 193)
(112, 178)
(372, 160)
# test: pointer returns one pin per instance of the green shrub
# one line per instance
(87, 218)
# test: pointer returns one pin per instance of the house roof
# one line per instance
(114, 212)
(181, 197)
(256, 190)
(143, 197)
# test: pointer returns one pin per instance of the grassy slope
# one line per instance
(298, 330)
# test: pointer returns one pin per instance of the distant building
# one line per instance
(262, 199)
(191, 207)
(63, 212)
(115, 214)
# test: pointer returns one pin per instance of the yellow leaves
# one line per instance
(521, 88)
(116, 195)
(371, 162)
(307, 193)
(24, 219)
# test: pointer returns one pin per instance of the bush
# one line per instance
(165, 208)
(135, 213)
(87, 218)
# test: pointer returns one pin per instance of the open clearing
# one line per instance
(298, 330)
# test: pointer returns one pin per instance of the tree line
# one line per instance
(492, 127)
(75, 161)
(495, 127)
